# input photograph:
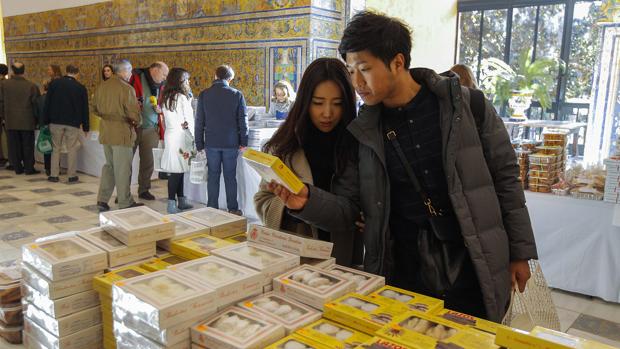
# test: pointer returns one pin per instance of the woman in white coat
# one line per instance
(178, 137)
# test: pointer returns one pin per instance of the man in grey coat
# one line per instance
(466, 167)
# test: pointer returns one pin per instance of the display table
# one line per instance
(578, 245)
(571, 128)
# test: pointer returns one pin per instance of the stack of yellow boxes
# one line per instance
(547, 164)
(103, 285)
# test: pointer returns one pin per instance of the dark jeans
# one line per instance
(175, 186)
(218, 158)
(47, 161)
(21, 150)
(465, 295)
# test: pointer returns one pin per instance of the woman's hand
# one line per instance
(184, 125)
(185, 155)
(292, 201)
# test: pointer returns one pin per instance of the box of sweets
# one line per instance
(319, 263)
(57, 289)
(36, 336)
(271, 168)
(118, 253)
(221, 223)
(166, 336)
(163, 298)
(312, 286)
(365, 282)
(66, 325)
(131, 339)
(62, 306)
(415, 301)
(197, 246)
(485, 326)
(235, 239)
(427, 331)
(287, 312)
(301, 246)
(103, 283)
(268, 261)
(295, 341)
(236, 328)
(333, 335)
(363, 313)
(382, 343)
(136, 226)
(64, 258)
(163, 262)
(231, 282)
(10, 281)
(542, 338)
(184, 228)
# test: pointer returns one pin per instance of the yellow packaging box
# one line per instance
(297, 341)
(271, 168)
(542, 338)
(333, 335)
(426, 331)
(197, 246)
(109, 343)
(163, 263)
(362, 313)
(468, 320)
(415, 301)
(365, 282)
(382, 343)
(235, 239)
(103, 283)
(183, 228)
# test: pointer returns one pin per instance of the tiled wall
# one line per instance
(263, 40)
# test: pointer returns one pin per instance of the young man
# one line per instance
(418, 124)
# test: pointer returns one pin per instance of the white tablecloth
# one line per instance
(578, 247)
(247, 185)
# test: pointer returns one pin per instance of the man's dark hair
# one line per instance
(224, 72)
(18, 68)
(383, 36)
(71, 69)
(4, 69)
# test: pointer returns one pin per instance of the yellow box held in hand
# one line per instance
(103, 283)
(415, 301)
(271, 168)
(542, 338)
(333, 335)
(419, 330)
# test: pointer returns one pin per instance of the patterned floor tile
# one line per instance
(11, 215)
(91, 208)
(6, 177)
(42, 190)
(599, 327)
(15, 235)
(6, 187)
(35, 180)
(60, 219)
(7, 199)
(83, 193)
(50, 203)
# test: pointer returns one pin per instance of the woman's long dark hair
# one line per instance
(174, 87)
(292, 134)
(103, 69)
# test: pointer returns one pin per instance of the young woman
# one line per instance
(282, 100)
(106, 72)
(178, 137)
(314, 143)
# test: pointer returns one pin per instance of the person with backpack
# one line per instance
(445, 214)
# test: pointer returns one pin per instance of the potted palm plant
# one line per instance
(529, 81)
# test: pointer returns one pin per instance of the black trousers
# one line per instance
(175, 186)
(21, 150)
(465, 296)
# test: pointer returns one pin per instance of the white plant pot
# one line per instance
(519, 103)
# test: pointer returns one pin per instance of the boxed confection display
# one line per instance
(271, 168)
(12, 334)
(287, 312)
(36, 336)
(57, 289)
(485, 326)
(118, 253)
(163, 298)
(414, 301)
(136, 226)
(184, 228)
(301, 246)
(237, 238)
(382, 343)
(319, 263)
(236, 328)
(11, 314)
(296, 341)
(362, 313)
(542, 338)
(221, 223)
(10, 281)
(62, 306)
(163, 262)
(103, 283)
(333, 335)
(130, 339)
(365, 282)
(268, 261)
(312, 286)
(64, 258)
(197, 246)
(66, 325)
(231, 282)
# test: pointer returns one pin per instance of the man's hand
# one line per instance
(520, 273)
(292, 201)
(242, 148)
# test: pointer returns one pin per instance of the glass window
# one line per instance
(584, 50)
(469, 39)
(550, 30)
(523, 28)
(494, 34)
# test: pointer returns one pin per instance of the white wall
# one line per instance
(20, 7)
(433, 26)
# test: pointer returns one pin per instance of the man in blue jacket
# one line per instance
(222, 131)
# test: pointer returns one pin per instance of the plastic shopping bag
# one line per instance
(44, 141)
(198, 169)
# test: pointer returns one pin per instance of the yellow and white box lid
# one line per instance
(301, 246)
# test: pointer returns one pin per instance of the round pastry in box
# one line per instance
(365, 282)
(333, 335)
(11, 314)
(296, 341)
(12, 334)
(287, 312)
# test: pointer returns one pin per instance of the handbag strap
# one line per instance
(392, 137)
